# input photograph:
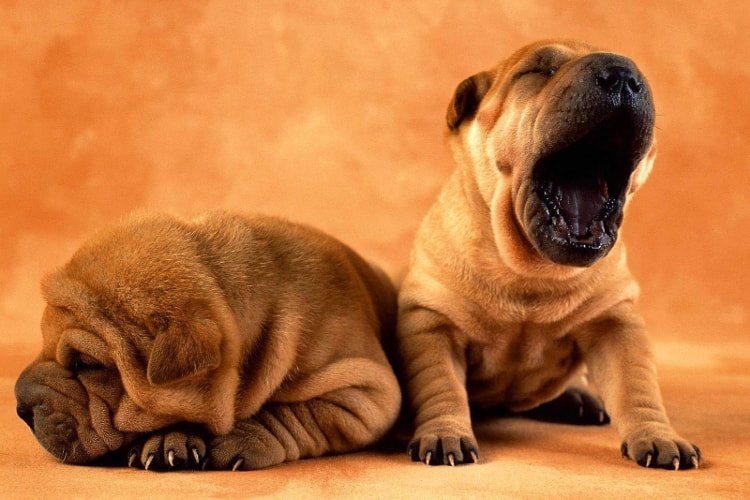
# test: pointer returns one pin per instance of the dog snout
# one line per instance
(619, 80)
(27, 415)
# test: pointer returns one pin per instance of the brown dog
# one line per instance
(515, 279)
(236, 342)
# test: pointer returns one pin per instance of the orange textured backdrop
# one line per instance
(332, 113)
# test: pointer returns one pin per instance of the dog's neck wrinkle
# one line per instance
(472, 191)
(518, 256)
(473, 246)
(475, 234)
(508, 296)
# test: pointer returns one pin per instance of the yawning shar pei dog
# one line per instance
(516, 280)
(228, 342)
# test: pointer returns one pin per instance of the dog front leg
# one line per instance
(434, 370)
(620, 362)
(334, 419)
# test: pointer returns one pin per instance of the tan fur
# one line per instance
(265, 333)
(484, 319)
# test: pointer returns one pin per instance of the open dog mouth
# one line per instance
(581, 188)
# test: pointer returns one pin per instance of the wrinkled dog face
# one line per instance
(132, 328)
(571, 130)
(69, 394)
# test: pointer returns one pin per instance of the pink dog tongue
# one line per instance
(580, 200)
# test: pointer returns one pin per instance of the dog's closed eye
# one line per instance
(538, 70)
(546, 63)
(81, 362)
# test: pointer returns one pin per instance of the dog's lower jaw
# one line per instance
(68, 441)
(567, 250)
(552, 237)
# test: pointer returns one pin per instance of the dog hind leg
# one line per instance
(341, 420)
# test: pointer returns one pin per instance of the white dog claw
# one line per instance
(427, 458)
(451, 460)
(148, 461)
(676, 463)
(695, 462)
(131, 458)
(237, 464)
(648, 460)
(170, 458)
(474, 456)
(196, 456)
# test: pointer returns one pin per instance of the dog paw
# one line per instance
(171, 449)
(575, 406)
(664, 450)
(246, 447)
(444, 448)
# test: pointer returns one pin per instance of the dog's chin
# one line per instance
(59, 435)
(578, 192)
(559, 247)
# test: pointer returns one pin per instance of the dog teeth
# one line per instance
(604, 188)
(559, 224)
(558, 193)
(597, 229)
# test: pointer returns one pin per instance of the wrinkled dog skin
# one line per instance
(225, 342)
(516, 280)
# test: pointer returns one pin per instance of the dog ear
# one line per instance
(467, 97)
(183, 348)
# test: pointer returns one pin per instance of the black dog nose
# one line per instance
(619, 80)
(26, 414)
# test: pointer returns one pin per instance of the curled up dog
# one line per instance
(517, 279)
(227, 342)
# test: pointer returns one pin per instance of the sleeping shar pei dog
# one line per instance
(227, 342)
(516, 280)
